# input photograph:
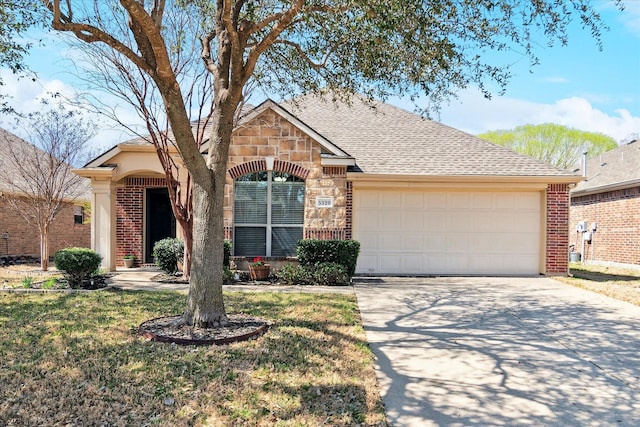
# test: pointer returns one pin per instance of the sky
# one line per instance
(576, 86)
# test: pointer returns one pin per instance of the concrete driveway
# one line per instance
(502, 352)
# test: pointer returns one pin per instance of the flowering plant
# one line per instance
(257, 262)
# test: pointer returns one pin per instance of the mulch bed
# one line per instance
(240, 327)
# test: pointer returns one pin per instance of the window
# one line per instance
(78, 215)
(268, 214)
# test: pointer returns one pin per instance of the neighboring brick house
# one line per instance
(18, 237)
(421, 197)
(610, 198)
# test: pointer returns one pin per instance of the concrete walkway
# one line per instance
(502, 351)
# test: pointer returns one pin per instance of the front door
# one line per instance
(159, 219)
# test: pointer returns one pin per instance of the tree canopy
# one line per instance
(554, 144)
(425, 50)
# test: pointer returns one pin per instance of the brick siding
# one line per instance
(23, 238)
(617, 214)
(130, 216)
(557, 250)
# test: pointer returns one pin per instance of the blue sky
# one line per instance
(577, 85)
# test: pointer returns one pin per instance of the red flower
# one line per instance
(257, 261)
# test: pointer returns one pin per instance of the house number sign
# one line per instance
(324, 202)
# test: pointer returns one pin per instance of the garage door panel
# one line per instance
(413, 243)
(458, 222)
(435, 221)
(458, 201)
(432, 232)
(482, 201)
(435, 200)
(391, 242)
(457, 243)
(414, 201)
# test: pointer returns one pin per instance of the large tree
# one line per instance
(555, 144)
(375, 47)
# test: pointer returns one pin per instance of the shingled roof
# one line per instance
(10, 143)
(615, 169)
(388, 140)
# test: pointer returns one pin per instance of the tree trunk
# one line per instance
(205, 306)
(44, 248)
(188, 249)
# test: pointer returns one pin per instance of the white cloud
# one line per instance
(556, 80)
(474, 114)
(26, 96)
(631, 16)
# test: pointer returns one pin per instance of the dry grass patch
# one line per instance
(75, 359)
(615, 282)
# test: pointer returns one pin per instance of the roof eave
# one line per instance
(546, 179)
(609, 187)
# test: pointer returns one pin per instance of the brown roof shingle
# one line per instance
(615, 168)
(389, 140)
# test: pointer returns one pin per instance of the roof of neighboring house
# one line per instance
(12, 144)
(388, 140)
(615, 169)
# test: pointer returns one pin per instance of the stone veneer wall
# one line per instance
(270, 135)
(22, 237)
(557, 250)
(617, 214)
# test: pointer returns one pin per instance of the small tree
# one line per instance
(39, 175)
(554, 144)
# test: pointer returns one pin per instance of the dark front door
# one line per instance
(159, 219)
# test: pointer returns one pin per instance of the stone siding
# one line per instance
(270, 135)
(617, 214)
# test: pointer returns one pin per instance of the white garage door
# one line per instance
(432, 232)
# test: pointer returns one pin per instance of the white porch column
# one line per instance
(103, 222)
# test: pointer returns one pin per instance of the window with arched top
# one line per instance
(268, 214)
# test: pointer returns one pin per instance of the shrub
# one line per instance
(291, 274)
(167, 252)
(77, 264)
(314, 252)
(323, 274)
(329, 274)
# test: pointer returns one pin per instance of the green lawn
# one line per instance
(75, 359)
(615, 282)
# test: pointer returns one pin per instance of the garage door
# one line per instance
(432, 232)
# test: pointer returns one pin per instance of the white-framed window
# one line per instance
(78, 215)
(268, 214)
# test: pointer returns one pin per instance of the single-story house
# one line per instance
(609, 201)
(421, 197)
(19, 237)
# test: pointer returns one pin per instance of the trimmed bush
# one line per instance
(77, 264)
(291, 274)
(167, 252)
(329, 274)
(314, 252)
(323, 274)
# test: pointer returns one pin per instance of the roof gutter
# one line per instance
(604, 188)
